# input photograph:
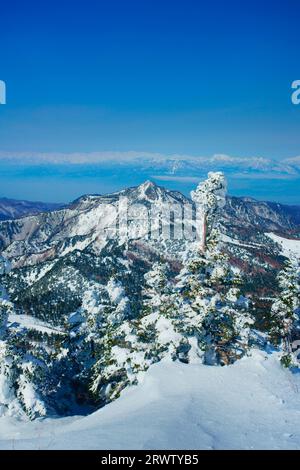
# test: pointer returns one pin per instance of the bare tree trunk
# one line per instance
(288, 343)
(204, 233)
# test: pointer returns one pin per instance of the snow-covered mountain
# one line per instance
(87, 221)
(84, 223)
(12, 208)
(90, 303)
(45, 243)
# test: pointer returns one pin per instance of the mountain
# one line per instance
(13, 209)
(262, 178)
(80, 271)
(88, 221)
(44, 244)
(261, 214)
(90, 225)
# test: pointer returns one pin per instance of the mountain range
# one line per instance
(13, 209)
(71, 261)
(55, 250)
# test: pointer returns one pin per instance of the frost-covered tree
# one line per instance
(160, 318)
(6, 306)
(8, 401)
(210, 197)
(201, 317)
(285, 311)
(128, 350)
(20, 370)
(216, 313)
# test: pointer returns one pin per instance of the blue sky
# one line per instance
(181, 77)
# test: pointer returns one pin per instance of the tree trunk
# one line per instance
(204, 233)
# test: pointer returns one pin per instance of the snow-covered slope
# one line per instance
(253, 404)
(18, 322)
(91, 219)
(289, 247)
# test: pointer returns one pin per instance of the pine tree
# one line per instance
(202, 317)
(161, 317)
(6, 306)
(285, 311)
(129, 349)
(216, 314)
(210, 197)
(19, 368)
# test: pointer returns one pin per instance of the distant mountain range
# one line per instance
(267, 215)
(49, 235)
(70, 262)
(13, 208)
(255, 176)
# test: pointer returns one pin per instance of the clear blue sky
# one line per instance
(159, 76)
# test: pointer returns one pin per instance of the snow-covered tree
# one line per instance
(202, 317)
(216, 313)
(161, 316)
(19, 368)
(285, 311)
(6, 306)
(210, 197)
(128, 350)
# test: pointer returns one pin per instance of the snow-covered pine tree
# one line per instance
(202, 317)
(209, 197)
(128, 350)
(216, 314)
(104, 308)
(159, 324)
(285, 311)
(5, 305)
(8, 401)
(19, 368)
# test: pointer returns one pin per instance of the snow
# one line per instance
(4, 266)
(115, 291)
(234, 241)
(253, 404)
(32, 323)
(289, 247)
(36, 274)
(211, 193)
(30, 398)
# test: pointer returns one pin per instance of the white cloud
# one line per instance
(264, 176)
(294, 161)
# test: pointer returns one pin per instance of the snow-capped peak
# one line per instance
(148, 190)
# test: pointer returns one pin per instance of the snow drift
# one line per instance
(253, 404)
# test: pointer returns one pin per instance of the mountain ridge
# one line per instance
(79, 284)
(17, 208)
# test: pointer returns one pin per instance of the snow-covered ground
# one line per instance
(254, 404)
(234, 241)
(31, 323)
(289, 247)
